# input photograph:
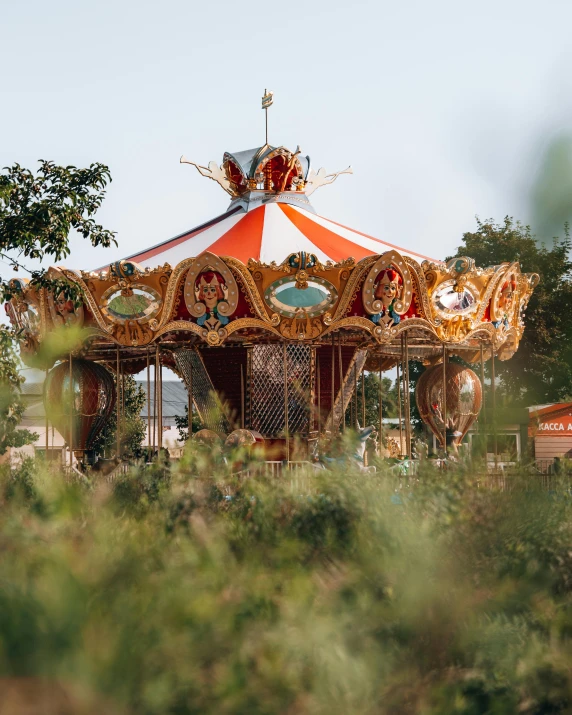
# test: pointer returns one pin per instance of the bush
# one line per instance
(168, 592)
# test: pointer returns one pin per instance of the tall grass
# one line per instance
(191, 591)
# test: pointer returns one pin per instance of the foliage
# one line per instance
(541, 369)
(12, 405)
(341, 593)
(182, 423)
(388, 399)
(38, 211)
(132, 425)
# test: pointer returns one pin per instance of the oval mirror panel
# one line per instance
(288, 300)
(134, 303)
(448, 300)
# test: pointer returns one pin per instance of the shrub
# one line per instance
(173, 590)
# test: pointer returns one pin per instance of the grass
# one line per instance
(190, 591)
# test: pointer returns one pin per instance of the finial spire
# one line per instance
(267, 101)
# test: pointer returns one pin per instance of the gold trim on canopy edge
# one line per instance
(449, 303)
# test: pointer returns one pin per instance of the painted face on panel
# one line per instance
(210, 289)
(64, 306)
(388, 287)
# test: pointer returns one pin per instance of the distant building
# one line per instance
(175, 400)
(550, 430)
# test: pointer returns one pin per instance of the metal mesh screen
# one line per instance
(205, 399)
(267, 386)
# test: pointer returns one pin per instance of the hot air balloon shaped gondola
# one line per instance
(463, 403)
(79, 415)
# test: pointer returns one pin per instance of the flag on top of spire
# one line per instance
(268, 99)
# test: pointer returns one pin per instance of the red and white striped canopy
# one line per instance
(269, 233)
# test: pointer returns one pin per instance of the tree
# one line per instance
(37, 213)
(388, 399)
(11, 403)
(541, 369)
(132, 426)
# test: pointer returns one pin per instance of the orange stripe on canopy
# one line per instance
(333, 245)
(244, 239)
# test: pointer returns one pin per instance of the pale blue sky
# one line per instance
(443, 108)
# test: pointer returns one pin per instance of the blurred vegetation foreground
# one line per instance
(164, 592)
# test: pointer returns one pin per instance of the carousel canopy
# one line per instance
(267, 233)
(271, 269)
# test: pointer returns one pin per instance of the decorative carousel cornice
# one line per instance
(376, 299)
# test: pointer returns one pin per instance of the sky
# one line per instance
(445, 109)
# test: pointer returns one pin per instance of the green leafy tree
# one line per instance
(11, 403)
(132, 426)
(541, 369)
(388, 399)
(37, 213)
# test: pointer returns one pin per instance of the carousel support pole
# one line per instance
(363, 398)
(122, 393)
(494, 402)
(118, 401)
(71, 411)
(484, 404)
(355, 400)
(399, 409)
(333, 378)
(319, 393)
(407, 396)
(445, 398)
(189, 414)
(242, 397)
(380, 406)
(47, 425)
(153, 446)
(148, 404)
(286, 426)
(159, 400)
(341, 371)
(191, 401)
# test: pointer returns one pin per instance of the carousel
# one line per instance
(270, 314)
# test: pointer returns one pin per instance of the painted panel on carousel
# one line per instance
(289, 296)
(65, 312)
(23, 311)
(211, 292)
(130, 302)
(504, 299)
(387, 291)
